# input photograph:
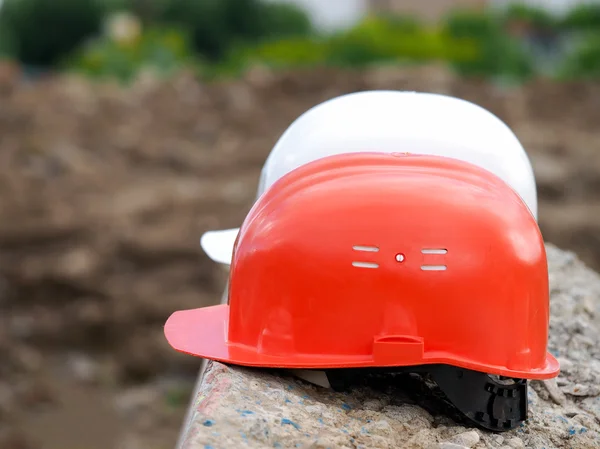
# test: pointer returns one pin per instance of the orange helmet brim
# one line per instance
(203, 333)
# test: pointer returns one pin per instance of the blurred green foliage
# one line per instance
(46, 31)
(215, 26)
(499, 54)
(582, 28)
(285, 53)
(218, 25)
(41, 32)
(529, 15)
(584, 61)
(584, 17)
(379, 39)
(375, 40)
(161, 50)
(225, 37)
(8, 48)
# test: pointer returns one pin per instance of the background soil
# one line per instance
(105, 191)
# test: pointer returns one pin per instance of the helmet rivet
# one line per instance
(400, 257)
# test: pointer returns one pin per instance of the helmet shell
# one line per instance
(371, 259)
(393, 121)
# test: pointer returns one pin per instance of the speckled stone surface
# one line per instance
(237, 407)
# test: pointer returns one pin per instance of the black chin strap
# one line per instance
(489, 402)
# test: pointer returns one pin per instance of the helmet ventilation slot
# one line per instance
(358, 264)
(365, 249)
(433, 267)
(434, 252)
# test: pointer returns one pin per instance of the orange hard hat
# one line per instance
(382, 260)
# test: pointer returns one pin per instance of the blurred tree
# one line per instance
(529, 16)
(582, 26)
(499, 54)
(8, 47)
(539, 32)
(216, 26)
(584, 61)
(376, 40)
(281, 20)
(206, 21)
(584, 17)
(43, 31)
(160, 50)
(381, 39)
(403, 23)
(213, 30)
(146, 10)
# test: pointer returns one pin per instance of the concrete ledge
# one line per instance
(237, 407)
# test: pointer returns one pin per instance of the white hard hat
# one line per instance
(393, 121)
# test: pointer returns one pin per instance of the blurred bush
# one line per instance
(42, 32)
(584, 61)
(281, 20)
(529, 16)
(584, 17)
(285, 53)
(375, 40)
(498, 53)
(379, 39)
(582, 27)
(123, 52)
(224, 37)
(187, 32)
(8, 48)
(215, 26)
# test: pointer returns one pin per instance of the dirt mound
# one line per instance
(105, 191)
